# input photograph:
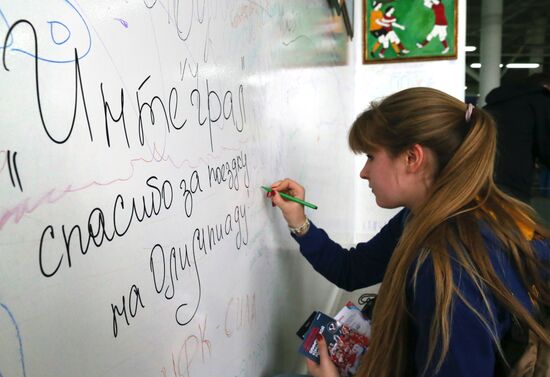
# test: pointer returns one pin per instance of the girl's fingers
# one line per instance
(289, 186)
(323, 349)
(326, 367)
(313, 368)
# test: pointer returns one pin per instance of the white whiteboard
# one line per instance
(134, 137)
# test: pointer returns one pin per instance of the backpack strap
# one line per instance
(525, 354)
(513, 344)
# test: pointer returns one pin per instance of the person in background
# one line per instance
(457, 264)
(522, 114)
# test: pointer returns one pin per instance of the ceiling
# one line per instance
(525, 35)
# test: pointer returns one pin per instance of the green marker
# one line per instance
(288, 197)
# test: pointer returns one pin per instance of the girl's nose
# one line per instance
(363, 174)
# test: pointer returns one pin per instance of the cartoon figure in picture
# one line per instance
(389, 21)
(440, 25)
(376, 27)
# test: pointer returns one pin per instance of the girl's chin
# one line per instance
(387, 205)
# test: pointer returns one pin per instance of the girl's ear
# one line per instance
(415, 158)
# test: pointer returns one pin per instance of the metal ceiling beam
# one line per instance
(535, 39)
(473, 74)
(512, 60)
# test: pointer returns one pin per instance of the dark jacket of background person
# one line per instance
(522, 114)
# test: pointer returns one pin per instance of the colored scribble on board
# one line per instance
(6, 342)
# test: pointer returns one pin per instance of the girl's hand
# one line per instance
(326, 368)
(293, 212)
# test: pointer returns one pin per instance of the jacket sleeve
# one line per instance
(358, 267)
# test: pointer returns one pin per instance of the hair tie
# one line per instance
(469, 111)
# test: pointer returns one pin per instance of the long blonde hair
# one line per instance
(462, 195)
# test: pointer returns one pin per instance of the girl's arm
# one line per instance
(358, 267)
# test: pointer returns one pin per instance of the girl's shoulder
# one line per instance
(539, 244)
(542, 248)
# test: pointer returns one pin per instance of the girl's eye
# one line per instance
(370, 157)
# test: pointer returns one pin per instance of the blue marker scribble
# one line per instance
(56, 28)
(124, 23)
(57, 41)
(4, 20)
(21, 355)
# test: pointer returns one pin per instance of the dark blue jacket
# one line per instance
(472, 350)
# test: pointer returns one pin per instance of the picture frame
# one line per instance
(334, 5)
(348, 14)
(404, 30)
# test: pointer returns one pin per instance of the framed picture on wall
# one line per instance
(347, 13)
(344, 8)
(335, 6)
(405, 30)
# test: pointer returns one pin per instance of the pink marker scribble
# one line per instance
(26, 206)
(124, 23)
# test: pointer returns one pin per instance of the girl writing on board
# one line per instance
(458, 263)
